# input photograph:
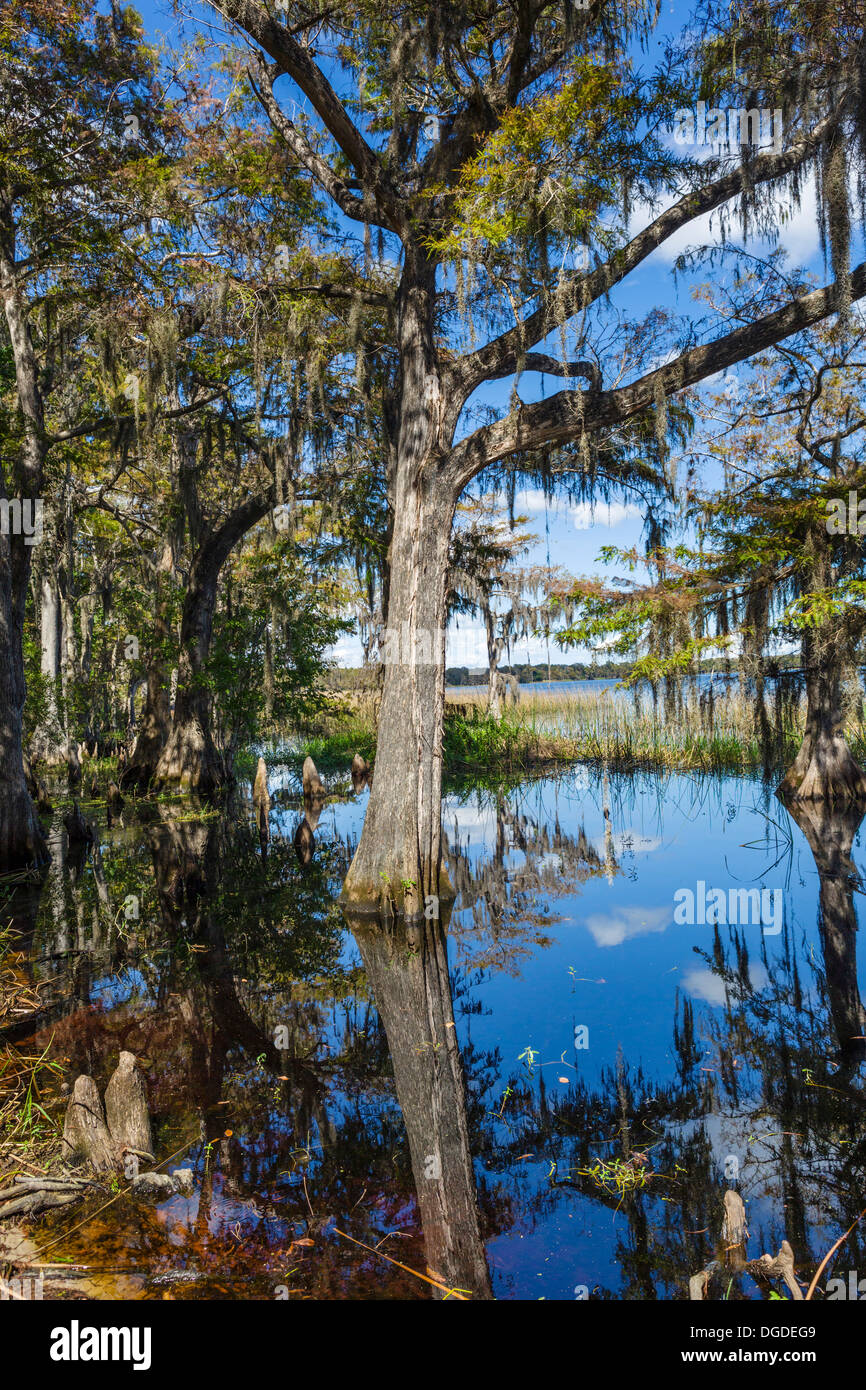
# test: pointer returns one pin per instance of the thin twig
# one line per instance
(452, 1293)
(831, 1251)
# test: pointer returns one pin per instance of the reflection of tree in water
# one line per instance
(830, 833)
(757, 1078)
(227, 950)
(224, 955)
(505, 894)
(407, 968)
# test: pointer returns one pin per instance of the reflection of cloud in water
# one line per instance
(703, 984)
(480, 821)
(628, 841)
(613, 928)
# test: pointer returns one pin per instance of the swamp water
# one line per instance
(544, 1096)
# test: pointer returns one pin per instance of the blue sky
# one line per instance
(573, 536)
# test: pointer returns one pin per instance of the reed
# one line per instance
(605, 727)
(608, 727)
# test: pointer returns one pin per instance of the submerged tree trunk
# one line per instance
(824, 768)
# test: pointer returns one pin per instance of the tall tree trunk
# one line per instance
(69, 662)
(155, 724)
(495, 682)
(21, 838)
(397, 865)
(190, 761)
(824, 768)
(398, 861)
(48, 744)
(268, 672)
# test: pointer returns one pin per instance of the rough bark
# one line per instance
(153, 731)
(126, 1110)
(398, 861)
(189, 760)
(824, 768)
(84, 1130)
(399, 855)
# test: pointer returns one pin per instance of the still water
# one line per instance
(544, 1095)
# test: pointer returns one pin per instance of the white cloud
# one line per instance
(798, 227)
(628, 841)
(466, 645)
(584, 515)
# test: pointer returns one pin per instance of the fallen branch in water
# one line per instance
(833, 1248)
(437, 1284)
(35, 1202)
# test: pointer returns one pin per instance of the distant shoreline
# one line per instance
(536, 676)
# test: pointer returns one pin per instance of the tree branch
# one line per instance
(561, 418)
(292, 58)
(577, 292)
(300, 147)
(551, 366)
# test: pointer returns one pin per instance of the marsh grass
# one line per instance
(604, 727)
(609, 728)
(29, 1100)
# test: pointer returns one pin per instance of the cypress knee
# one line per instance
(360, 772)
(314, 787)
(305, 842)
(84, 1129)
(126, 1109)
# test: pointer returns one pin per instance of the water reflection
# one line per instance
(407, 970)
(830, 833)
(382, 1111)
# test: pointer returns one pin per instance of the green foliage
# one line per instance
(283, 612)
